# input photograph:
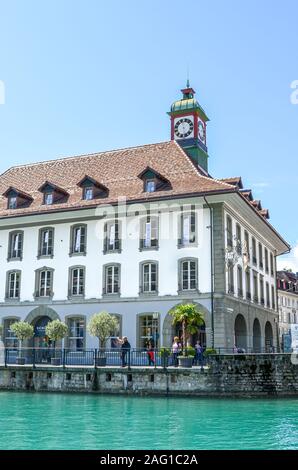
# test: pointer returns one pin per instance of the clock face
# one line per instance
(201, 131)
(183, 128)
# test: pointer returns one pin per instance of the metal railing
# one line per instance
(116, 357)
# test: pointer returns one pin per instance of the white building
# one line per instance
(135, 232)
(287, 284)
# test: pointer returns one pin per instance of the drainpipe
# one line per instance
(212, 270)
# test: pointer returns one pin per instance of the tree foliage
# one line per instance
(102, 325)
(56, 330)
(190, 317)
(23, 330)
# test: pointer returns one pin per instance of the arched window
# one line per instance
(76, 281)
(15, 245)
(78, 240)
(13, 285)
(149, 277)
(111, 279)
(44, 278)
(188, 274)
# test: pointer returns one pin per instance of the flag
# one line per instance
(148, 235)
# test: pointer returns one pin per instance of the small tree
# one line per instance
(102, 325)
(1, 331)
(190, 318)
(56, 330)
(22, 330)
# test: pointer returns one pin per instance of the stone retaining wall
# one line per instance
(239, 375)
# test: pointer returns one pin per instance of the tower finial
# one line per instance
(187, 82)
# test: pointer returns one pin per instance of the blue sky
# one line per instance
(85, 76)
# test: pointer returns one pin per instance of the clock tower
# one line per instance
(188, 126)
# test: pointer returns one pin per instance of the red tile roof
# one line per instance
(117, 170)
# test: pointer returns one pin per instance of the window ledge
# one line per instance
(148, 294)
(150, 248)
(12, 299)
(84, 253)
(189, 291)
(107, 252)
(111, 295)
(45, 256)
(14, 259)
(187, 245)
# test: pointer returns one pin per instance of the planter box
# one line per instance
(56, 361)
(185, 361)
(101, 361)
(20, 361)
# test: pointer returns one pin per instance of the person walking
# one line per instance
(176, 349)
(198, 358)
(150, 353)
(125, 350)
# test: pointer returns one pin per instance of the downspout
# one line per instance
(212, 270)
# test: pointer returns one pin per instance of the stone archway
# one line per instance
(257, 336)
(240, 332)
(168, 330)
(42, 311)
(268, 337)
(39, 318)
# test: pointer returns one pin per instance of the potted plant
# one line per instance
(23, 331)
(190, 318)
(56, 330)
(102, 325)
(164, 355)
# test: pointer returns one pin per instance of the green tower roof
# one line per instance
(188, 103)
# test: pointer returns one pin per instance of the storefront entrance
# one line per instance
(40, 340)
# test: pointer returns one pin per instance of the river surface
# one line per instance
(69, 421)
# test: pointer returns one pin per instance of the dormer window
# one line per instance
(12, 202)
(150, 186)
(53, 194)
(88, 193)
(48, 198)
(153, 181)
(17, 199)
(92, 189)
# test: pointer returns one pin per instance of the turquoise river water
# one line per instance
(68, 421)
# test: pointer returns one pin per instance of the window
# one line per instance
(246, 245)
(46, 242)
(266, 261)
(229, 232)
(15, 251)
(13, 285)
(230, 278)
(44, 282)
(260, 256)
(248, 286)
(49, 198)
(12, 202)
(188, 275)
(267, 295)
(273, 297)
(255, 286)
(150, 186)
(149, 233)
(88, 193)
(148, 330)
(114, 343)
(254, 251)
(76, 338)
(10, 340)
(272, 265)
(188, 229)
(149, 277)
(78, 240)
(77, 281)
(112, 241)
(111, 279)
(238, 240)
(240, 281)
(262, 290)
